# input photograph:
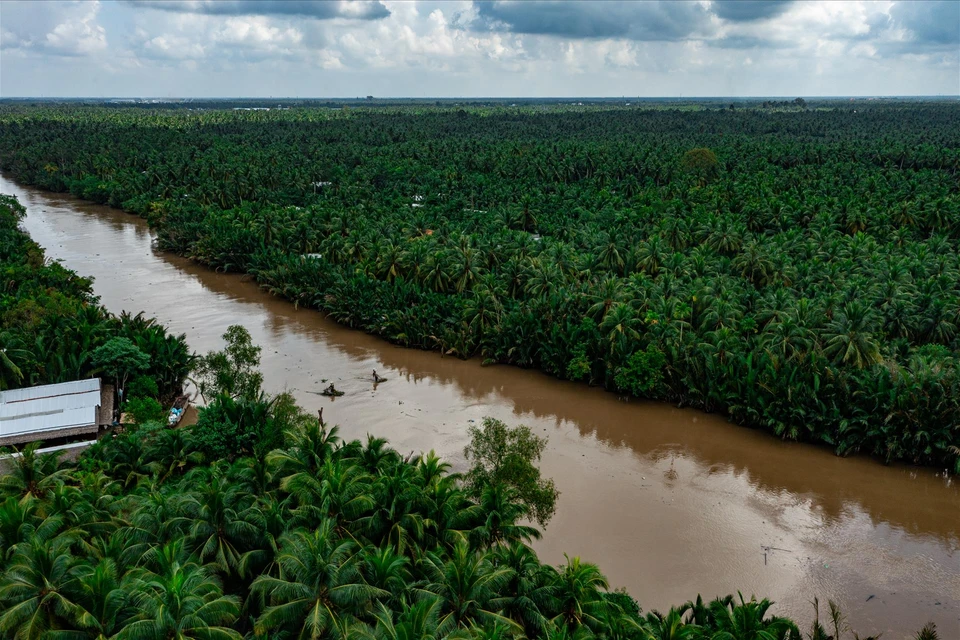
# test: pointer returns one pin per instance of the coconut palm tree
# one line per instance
(222, 521)
(620, 327)
(529, 589)
(466, 584)
(33, 474)
(929, 632)
(482, 311)
(387, 570)
(10, 374)
(339, 492)
(181, 600)
(669, 626)
(749, 621)
(498, 512)
(36, 590)
(607, 293)
(320, 588)
(417, 621)
(849, 337)
(396, 518)
(106, 596)
(21, 522)
(579, 588)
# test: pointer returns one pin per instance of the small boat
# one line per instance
(330, 392)
(177, 410)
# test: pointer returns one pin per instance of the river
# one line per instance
(669, 502)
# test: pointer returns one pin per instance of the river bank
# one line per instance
(670, 502)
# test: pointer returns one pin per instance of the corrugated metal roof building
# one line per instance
(52, 411)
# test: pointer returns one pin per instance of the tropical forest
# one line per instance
(791, 266)
(796, 269)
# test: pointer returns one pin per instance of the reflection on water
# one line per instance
(669, 502)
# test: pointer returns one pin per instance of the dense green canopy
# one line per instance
(808, 283)
(53, 330)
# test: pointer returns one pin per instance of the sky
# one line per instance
(474, 48)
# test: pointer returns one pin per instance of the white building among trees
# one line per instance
(54, 411)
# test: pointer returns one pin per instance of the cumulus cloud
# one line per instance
(929, 29)
(241, 38)
(650, 21)
(749, 10)
(10, 40)
(466, 47)
(329, 9)
(749, 42)
(256, 33)
(63, 30)
(929, 24)
(77, 37)
(169, 47)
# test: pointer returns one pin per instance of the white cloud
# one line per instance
(620, 54)
(79, 36)
(62, 29)
(328, 59)
(170, 46)
(257, 32)
(10, 40)
(424, 48)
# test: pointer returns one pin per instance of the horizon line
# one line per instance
(372, 97)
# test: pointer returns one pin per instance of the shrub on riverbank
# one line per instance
(807, 284)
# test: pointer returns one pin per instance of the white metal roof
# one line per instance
(49, 408)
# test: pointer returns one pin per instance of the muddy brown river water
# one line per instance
(669, 502)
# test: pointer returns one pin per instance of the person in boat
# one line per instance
(331, 390)
(377, 377)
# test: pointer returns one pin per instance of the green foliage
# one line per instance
(643, 374)
(579, 366)
(504, 456)
(793, 262)
(119, 358)
(228, 427)
(700, 162)
(838, 627)
(626, 603)
(11, 211)
(170, 358)
(143, 387)
(144, 410)
(232, 372)
(10, 374)
(52, 325)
